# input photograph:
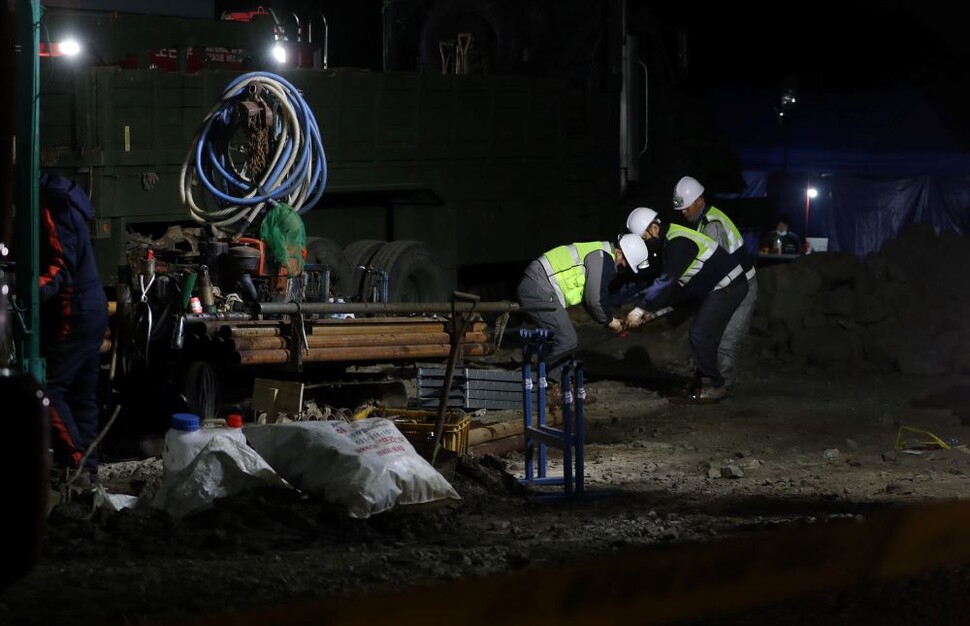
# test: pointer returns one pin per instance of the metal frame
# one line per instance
(571, 436)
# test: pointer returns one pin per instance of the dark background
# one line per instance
(694, 49)
(831, 46)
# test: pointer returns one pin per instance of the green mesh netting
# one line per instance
(285, 236)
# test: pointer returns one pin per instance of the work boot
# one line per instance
(709, 394)
(554, 395)
(81, 485)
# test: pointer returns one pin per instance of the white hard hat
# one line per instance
(686, 191)
(640, 219)
(634, 250)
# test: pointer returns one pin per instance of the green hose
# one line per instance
(187, 286)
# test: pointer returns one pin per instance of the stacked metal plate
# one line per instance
(471, 388)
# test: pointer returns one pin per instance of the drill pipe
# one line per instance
(212, 328)
(365, 353)
(388, 329)
(279, 308)
(250, 331)
(331, 327)
(316, 341)
(363, 321)
(216, 317)
(215, 328)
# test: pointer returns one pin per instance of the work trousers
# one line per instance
(735, 333)
(72, 349)
(706, 330)
(537, 292)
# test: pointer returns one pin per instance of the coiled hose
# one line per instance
(292, 168)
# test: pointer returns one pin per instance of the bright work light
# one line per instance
(279, 54)
(69, 47)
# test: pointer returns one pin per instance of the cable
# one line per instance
(295, 173)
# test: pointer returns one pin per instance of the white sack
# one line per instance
(222, 468)
(366, 465)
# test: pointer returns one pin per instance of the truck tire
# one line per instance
(359, 254)
(200, 388)
(494, 34)
(323, 251)
(414, 273)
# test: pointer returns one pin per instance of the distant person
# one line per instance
(708, 219)
(781, 240)
(693, 267)
(74, 318)
(573, 274)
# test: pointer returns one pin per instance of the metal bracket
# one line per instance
(298, 340)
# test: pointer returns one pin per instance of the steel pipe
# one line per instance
(216, 327)
(317, 341)
(365, 353)
(363, 321)
(216, 317)
(385, 329)
(251, 331)
(382, 308)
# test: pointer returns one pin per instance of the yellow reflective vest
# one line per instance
(565, 269)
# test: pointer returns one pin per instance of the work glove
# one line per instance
(635, 317)
(639, 317)
(615, 325)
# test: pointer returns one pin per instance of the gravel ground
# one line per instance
(788, 450)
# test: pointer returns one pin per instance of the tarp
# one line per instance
(880, 160)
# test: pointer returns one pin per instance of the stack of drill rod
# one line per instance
(353, 340)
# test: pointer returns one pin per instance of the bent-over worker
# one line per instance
(693, 266)
(573, 274)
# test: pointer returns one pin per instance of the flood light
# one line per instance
(69, 47)
(279, 54)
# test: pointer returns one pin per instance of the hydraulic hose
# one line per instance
(296, 169)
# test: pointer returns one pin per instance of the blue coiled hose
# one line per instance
(295, 175)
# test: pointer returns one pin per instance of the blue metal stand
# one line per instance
(539, 435)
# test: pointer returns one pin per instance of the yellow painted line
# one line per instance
(660, 585)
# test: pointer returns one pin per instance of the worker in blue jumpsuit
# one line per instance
(693, 266)
(74, 318)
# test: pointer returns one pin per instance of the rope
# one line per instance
(148, 309)
(289, 166)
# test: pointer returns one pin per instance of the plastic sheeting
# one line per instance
(858, 214)
(880, 161)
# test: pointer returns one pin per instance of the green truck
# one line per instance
(489, 132)
(480, 164)
(486, 132)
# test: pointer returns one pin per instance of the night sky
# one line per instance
(823, 48)
(848, 46)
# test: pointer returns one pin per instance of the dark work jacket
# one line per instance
(790, 242)
(678, 254)
(69, 281)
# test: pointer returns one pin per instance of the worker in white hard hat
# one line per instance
(693, 267)
(708, 219)
(628, 286)
(573, 274)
